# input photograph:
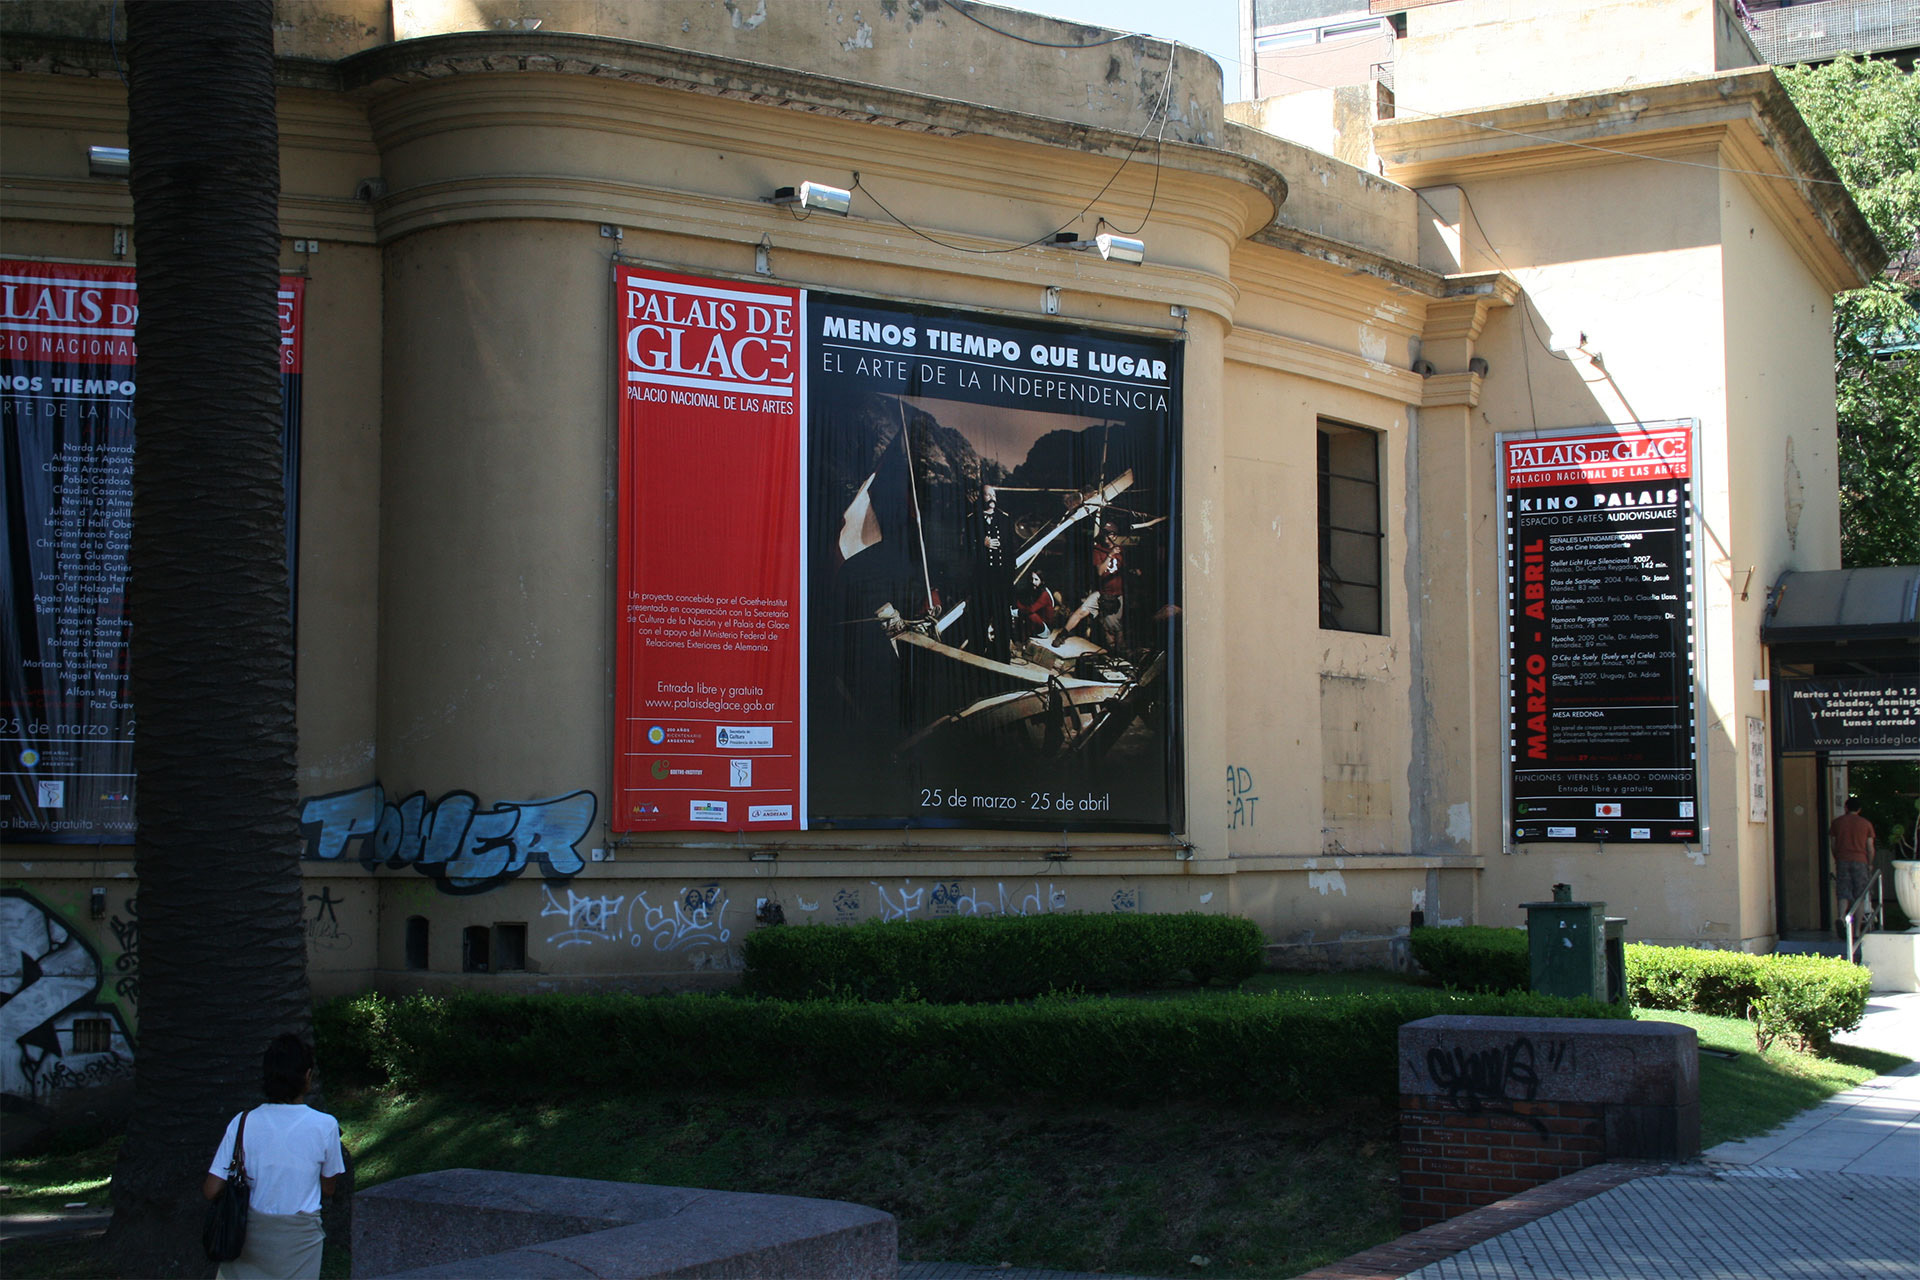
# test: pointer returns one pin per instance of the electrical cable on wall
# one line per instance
(1159, 114)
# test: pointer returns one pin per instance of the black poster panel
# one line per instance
(66, 400)
(1600, 637)
(1859, 715)
(67, 372)
(992, 572)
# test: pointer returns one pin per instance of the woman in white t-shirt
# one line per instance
(292, 1157)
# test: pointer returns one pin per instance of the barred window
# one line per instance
(1349, 474)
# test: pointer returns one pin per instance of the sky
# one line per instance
(1212, 26)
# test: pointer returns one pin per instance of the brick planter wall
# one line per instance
(1490, 1107)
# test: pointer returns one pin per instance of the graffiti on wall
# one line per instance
(127, 964)
(463, 848)
(1496, 1077)
(1241, 799)
(323, 926)
(694, 917)
(947, 898)
(54, 1032)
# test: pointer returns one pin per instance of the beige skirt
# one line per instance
(280, 1246)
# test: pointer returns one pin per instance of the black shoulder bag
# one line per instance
(225, 1232)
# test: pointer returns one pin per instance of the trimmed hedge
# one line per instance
(1474, 957)
(1804, 1000)
(1228, 1048)
(973, 959)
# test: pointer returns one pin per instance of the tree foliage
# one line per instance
(1866, 114)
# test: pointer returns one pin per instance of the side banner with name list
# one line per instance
(1601, 723)
(67, 374)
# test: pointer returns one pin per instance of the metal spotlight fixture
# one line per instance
(814, 196)
(1109, 246)
(108, 162)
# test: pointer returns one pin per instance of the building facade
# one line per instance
(1294, 614)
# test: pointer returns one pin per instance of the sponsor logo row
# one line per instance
(738, 737)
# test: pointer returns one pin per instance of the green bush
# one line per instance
(1722, 983)
(975, 959)
(1804, 1000)
(1474, 957)
(1284, 1049)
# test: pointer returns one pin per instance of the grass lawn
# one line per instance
(1121, 1189)
(1753, 1093)
(1086, 1188)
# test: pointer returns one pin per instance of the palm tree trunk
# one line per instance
(223, 957)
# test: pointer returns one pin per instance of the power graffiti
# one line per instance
(463, 848)
(54, 1032)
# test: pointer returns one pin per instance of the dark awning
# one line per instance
(1826, 605)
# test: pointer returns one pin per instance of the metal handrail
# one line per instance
(1872, 912)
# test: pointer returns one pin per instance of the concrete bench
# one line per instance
(1492, 1106)
(473, 1223)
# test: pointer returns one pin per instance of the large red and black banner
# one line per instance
(708, 722)
(1601, 720)
(67, 373)
(886, 564)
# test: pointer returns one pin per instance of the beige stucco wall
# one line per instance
(1475, 53)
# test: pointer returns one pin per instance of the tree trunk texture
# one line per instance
(222, 953)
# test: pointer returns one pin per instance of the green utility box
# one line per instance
(1576, 948)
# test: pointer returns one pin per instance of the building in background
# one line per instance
(1354, 531)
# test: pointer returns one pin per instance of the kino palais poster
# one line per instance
(1600, 641)
(887, 564)
(67, 375)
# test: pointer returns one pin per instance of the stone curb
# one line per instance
(1442, 1240)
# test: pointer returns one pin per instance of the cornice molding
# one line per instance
(92, 201)
(1444, 389)
(1324, 364)
(1744, 119)
(545, 197)
(392, 68)
(756, 141)
(1393, 272)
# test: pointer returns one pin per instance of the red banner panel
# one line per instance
(709, 727)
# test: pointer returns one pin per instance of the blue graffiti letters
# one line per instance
(462, 847)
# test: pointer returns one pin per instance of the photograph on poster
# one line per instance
(992, 573)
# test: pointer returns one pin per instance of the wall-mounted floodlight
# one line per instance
(1109, 246)
(815, 196)
(108, 162)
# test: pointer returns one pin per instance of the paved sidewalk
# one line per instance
(1834, 1194)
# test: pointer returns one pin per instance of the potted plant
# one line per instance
(1906, 869)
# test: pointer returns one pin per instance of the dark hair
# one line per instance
(1853, 804)
(283, 1070)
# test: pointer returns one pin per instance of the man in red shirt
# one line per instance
(1853, 838)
